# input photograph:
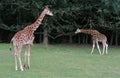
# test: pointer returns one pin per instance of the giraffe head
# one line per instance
(47, 11)
(77, 31)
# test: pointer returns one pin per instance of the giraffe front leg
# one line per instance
(25, 59)
(103, 49)
(29, 48)
(28, 61)
(27, 56)
(98, 48)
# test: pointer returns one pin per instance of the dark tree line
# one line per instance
(102, 15)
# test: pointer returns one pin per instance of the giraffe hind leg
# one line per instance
(21, 67)
(19, 57)
(93, 47)
(16, 67)
(15, 55)
(106, 48)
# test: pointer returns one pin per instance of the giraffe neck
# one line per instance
(91, 32)
(36, 24)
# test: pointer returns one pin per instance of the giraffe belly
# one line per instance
(28, 42)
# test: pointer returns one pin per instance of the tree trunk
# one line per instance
(116, 39)
(86, 38)
(40, 38)
(45, 37)
(111, 39)
(79, 39)
(70, 39)
(0, 36)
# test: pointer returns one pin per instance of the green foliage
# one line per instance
(69, 9)
(68, 14)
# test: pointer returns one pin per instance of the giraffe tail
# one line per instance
(10, 48)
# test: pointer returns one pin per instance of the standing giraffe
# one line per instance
(97, 37)
(26, 37)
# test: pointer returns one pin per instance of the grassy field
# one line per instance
(62, 61)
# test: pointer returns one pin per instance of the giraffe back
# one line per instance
(23, 37)
(98, 36)
(95, 34)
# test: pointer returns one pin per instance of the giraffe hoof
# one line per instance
(24, 66)
(28, 67)
(22, 69)
(16, 69)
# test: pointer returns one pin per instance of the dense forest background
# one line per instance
(102, 15)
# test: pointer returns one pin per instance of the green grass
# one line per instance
(62, 61)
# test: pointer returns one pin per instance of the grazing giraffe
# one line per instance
(97, 37)
(26, 37)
